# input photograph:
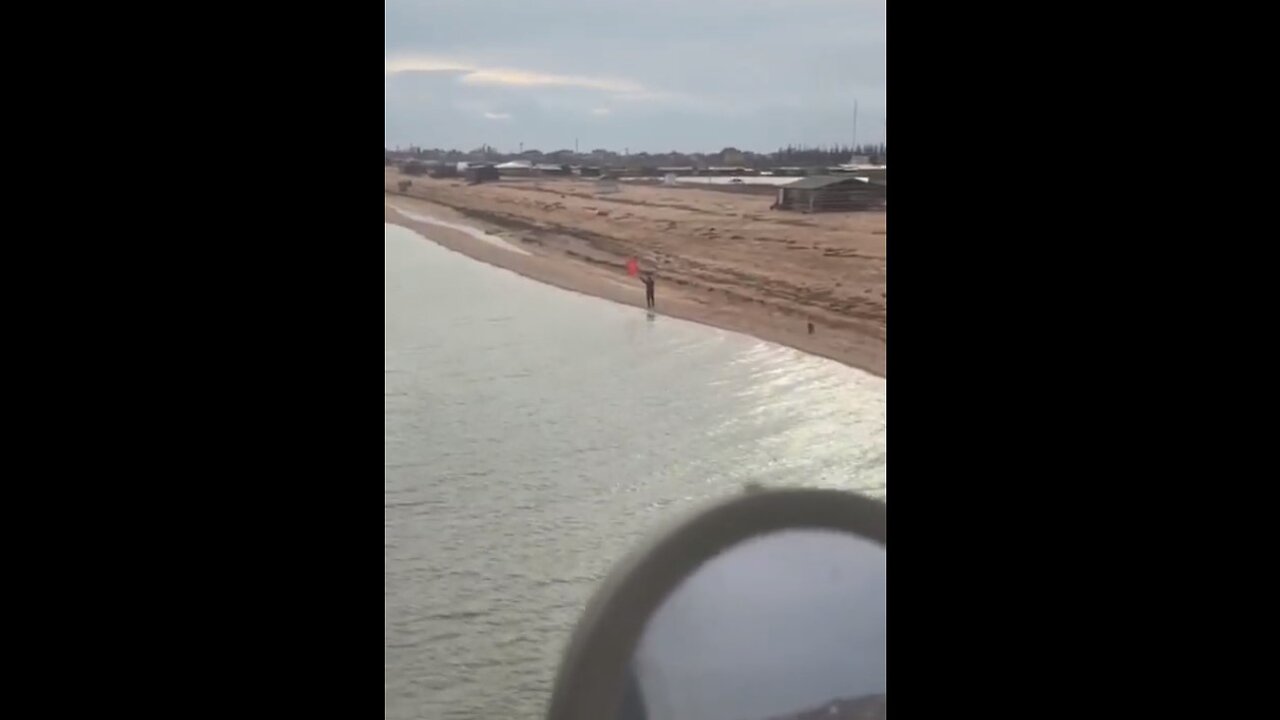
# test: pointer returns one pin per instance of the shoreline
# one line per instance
(575, 259)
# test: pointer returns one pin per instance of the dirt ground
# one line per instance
(722, 258)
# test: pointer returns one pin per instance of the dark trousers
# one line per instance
(648, 297)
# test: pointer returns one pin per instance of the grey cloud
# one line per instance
(675, 74)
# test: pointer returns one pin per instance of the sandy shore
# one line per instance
(721, 258)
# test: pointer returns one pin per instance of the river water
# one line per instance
(532, 436)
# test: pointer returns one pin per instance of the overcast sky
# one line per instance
(655, 75)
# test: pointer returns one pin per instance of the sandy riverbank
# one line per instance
(722, 259)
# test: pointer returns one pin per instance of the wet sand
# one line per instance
(721, 258)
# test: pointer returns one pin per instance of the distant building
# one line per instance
(553, 169)
(516, 168)
(878, 175)
(477, 174)
(830, 194)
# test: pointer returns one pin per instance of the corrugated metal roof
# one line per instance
(820, 181)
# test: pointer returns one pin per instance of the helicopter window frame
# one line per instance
(590, 682)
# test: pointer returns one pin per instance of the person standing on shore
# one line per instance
(647, 279)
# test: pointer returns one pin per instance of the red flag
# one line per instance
(633, 267)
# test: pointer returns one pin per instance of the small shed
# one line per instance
(830, 194)
(477, 174)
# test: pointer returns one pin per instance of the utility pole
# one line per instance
(855, 127)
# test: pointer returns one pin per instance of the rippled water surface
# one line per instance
(533, 435)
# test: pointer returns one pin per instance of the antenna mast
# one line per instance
(855, 127)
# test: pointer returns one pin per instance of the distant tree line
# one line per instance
(790, 156)
(835, 154)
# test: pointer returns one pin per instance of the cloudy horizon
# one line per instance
(663, 75)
